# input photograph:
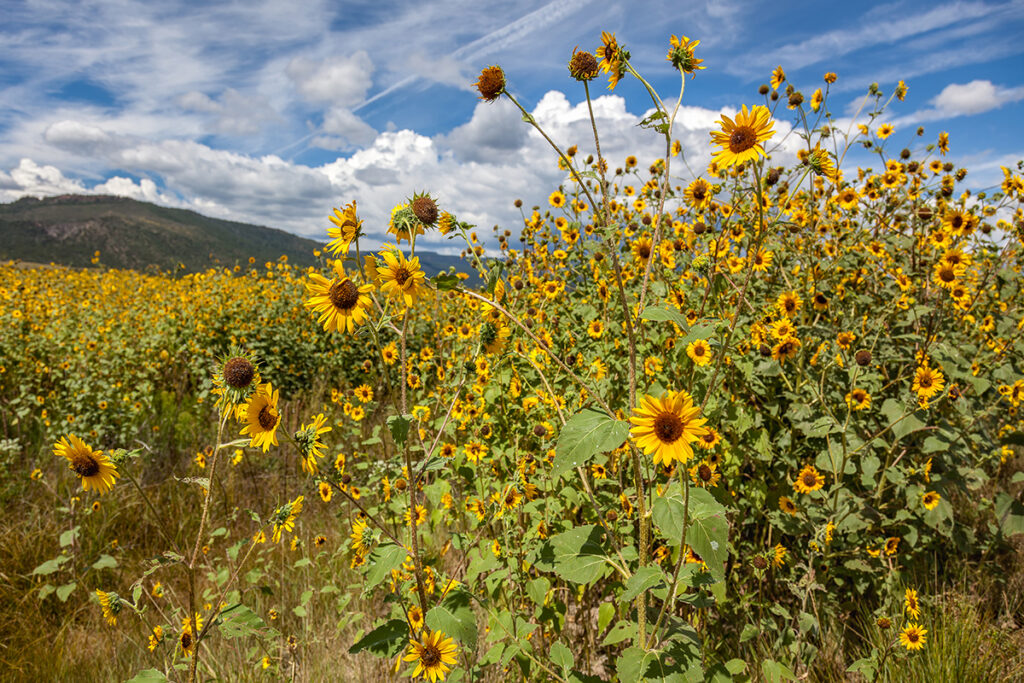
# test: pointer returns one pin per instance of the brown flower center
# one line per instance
(957, 222)
(705, 473)
(668, 427)
(239, 372)
(698, 350)
(810, 479)
(84, 465)
(344, 295)
(402, 276)
(267, 417)
(913, 636)
(431, 656)
(700, 192)
(644, 250)
(947, 274)
(925, 381)
(742, 139)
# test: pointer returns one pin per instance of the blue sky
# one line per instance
(275, 112)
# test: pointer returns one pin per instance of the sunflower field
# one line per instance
(758, 424)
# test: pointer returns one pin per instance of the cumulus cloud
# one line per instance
(475, 171)
(343, 129)
(29, 178)
(341, 80)
(974, 98)
(495, 128)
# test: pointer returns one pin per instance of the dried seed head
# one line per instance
(582, 65)
(239, 372)
(491, 83)
(425, 209)
(863, 357)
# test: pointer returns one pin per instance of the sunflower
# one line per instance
(491, 83)
(930, 500)
(911, 604)
(779, 555)
(642, 249)
(402, 279)
(613, 59)
(698, 194)
(858, 399)
(786, 349)
(666, 426)
(699, 352)
(778, 77)
(262, 418)
(708, 440)
(927, 382)
(705, 474)
(187, 640)
(310, 446)
(341, 303)
(789, 303)
(787, 505)
(761, 261)
(808, 480)
(885, 130)
(848, 198)
(364, 393)
(432, 655)
(284, 517)
(740, 140)
(360, 537)
(325, 490)
(947, 275)
(682, 57)
(912, 637)
(415, 615)
(111, 605)
(95, 470)
(557, 199)
(345, 230)
(821, 163)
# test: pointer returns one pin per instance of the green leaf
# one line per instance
(538, 590)
(105, 562)
(774, 672)
(456, 618)
(660, 313)
(446, 282)
(645, 577)
(65, 591)
(586, 434)
(698, 331)
(69, 536)
(1010, 514)
(386, 640)
(45, 590)
(708, 530)
(238, 621)
(50, 566)
(385, 558)
(635, 665)
(399, 426)
(605, 614)
(148, 676)
(578, 554)
(562, 656)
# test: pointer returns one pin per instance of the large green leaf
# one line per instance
(387, 640)
(586, 434)
(578, 554)
(239, 621)
(385, 558)
(708, 529)
(456, 618)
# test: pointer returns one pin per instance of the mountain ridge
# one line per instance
(131, 234)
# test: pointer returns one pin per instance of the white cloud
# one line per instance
(341, 80)
(234, 113)
(345, 129)
(974, 98)
(29, 178)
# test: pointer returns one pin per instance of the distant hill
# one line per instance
(69, 229)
